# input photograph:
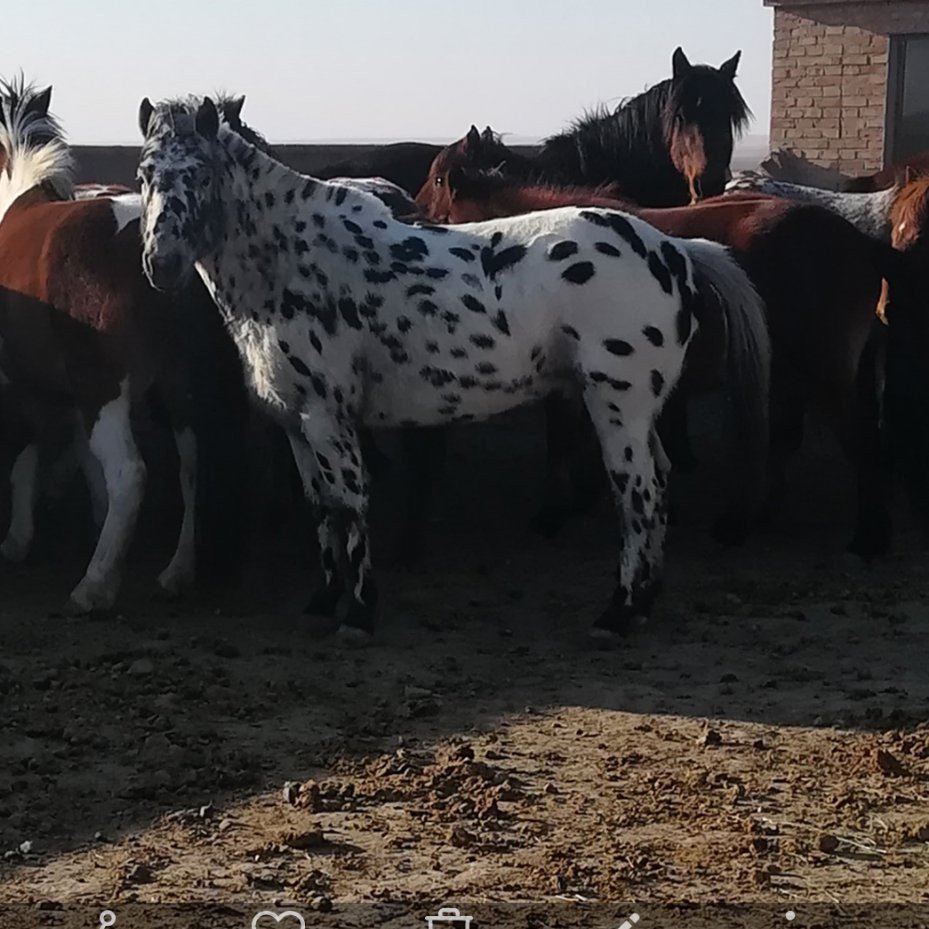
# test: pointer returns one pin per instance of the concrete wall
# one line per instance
(116, 164)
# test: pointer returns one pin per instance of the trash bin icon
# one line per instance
(449, 917)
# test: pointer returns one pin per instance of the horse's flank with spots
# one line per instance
(346, 317)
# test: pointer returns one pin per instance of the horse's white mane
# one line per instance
(36, 151)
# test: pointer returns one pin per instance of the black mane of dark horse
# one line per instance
(629, 146)
(405, 164)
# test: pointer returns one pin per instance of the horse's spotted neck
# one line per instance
(271, 229)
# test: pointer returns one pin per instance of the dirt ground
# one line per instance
(762, 746)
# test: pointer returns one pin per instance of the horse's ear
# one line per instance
(728, 68)
(472, 141)
(145, 115)
(679, 63)
(909, 175)
(488, 135)
(42, 101)
(234, 108)
(207, 121)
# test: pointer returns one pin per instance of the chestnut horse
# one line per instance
(820, 279)
(84, 337)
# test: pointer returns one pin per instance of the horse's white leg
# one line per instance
(638, 470)
(324, 601)
(343, 492)
(113, 445)
(182, 568)
(18, 541)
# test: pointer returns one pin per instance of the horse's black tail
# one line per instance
(220, 412)
(748, 352)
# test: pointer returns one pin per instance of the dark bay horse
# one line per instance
(84, 338)
(668, 146)
(820, 279)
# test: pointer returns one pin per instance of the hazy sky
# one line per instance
(383, 69)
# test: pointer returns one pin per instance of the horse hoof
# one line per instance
(163, 595)
(354, 636)
(605, 639)
(90, 597)
(14, 550)
(173, 583)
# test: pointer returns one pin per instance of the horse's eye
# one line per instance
(438, 182)
(205, 182)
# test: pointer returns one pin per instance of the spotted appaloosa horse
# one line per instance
(83, 337)
(820, 279)
(345, 316)
(867, 212)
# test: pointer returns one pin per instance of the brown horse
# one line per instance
(668, 146)
(820, 279)
(83, 338)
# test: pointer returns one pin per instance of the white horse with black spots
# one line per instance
(345, 316)
(867, 212)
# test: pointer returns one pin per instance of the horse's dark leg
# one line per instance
(674, 431)
(862, 440)
(556, 494)
(377, 463)
(424, 451)
(203, 388)
(585, 460)
(786, 418)
(21, 462)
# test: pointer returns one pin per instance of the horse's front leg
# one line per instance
(113, 445)
(181, 570)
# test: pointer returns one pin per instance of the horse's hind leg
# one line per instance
(638, 469)
(325, 600)
(343, 493)
(861, 438)
(181, 570)
(113, 445)
(424, 451)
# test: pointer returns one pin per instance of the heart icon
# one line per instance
(278, 917)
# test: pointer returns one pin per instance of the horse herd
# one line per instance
(612, 276)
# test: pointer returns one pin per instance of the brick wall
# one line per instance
(829, 87)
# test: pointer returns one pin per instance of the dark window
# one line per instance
(908, 97)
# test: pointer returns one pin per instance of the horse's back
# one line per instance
(405, 164)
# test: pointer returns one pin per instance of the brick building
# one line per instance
(850, 84)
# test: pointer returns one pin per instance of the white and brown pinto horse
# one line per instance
(83, 338)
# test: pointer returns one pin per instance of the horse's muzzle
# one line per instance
(166, 272)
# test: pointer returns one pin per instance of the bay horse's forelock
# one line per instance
(821, 305)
